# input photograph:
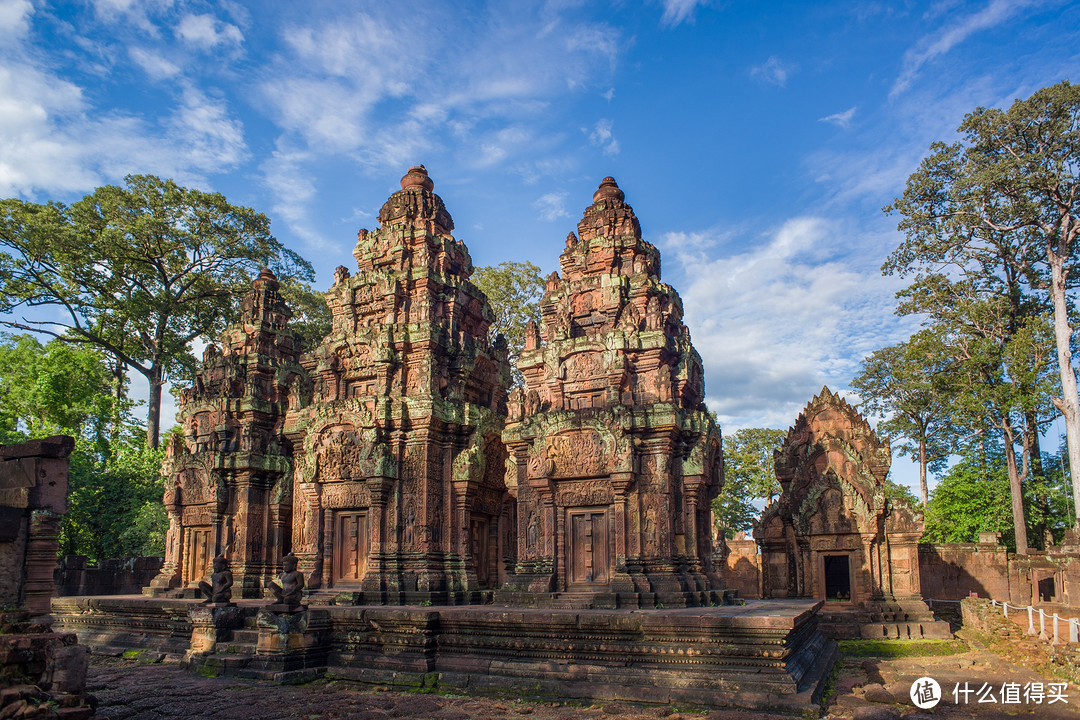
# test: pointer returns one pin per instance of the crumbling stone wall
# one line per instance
(113, 576)
(1045, 579)
(743, 567)
(42, 673)
(954, 570)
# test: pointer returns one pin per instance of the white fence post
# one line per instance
(1056, 640)
(1074, 631)
(1042, 625)
(1031, 620)
(1005, 605)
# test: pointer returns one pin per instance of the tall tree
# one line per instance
(115, 507)
(139, 271)
(1015, 173)
(514, 290)
(749, 477)
(993, 342)
(906, 383)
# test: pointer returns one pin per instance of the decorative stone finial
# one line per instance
(417, 177)
(266, 279)
(608, 190)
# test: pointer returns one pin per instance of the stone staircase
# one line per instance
(230, 656)
(895, 621)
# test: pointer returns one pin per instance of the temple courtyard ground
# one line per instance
(871, 682)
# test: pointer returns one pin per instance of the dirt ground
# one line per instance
(865, 686)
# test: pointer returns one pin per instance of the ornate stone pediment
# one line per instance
(576, 453)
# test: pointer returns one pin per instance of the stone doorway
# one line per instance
(481, 541)
(350, 557)
(198, 555)
(837, 577)
(589, 547)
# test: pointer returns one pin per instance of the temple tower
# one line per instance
(834, 534)
(228, 476)
(613, 457)
(398, 489)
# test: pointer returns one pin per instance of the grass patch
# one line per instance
(902, 648)
(132, 654)
(829, 692)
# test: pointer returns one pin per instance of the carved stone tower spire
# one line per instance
(398, 486)
(615, 458)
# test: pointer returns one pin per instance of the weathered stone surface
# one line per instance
(39, 669)
(876, 713)
(398, 490)
(229, 476)
(613, 459)
(833, 534)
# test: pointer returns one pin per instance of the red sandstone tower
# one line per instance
(228, 477)
(614, 459)
(398, 490)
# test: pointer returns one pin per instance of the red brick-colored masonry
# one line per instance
(37, 666)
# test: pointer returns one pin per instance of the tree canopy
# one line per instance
(514, 290)
(749, 477)
(999, 211)
(906, 382)
(139, 271)
(115, 507)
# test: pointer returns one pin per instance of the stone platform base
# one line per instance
(766, 654)
(885, 620)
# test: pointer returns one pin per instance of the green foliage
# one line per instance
(311, 316)
(115, 493)
(974, 496)
(992, 228)
(54, 388)
(906, 383)
(139, 271)
(749, 476)
(115, 507)
(514, 290)
(895, 491)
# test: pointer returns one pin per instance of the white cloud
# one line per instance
(602, 137)
(209, 136)
(207, 32)
(154, 65)
(552, 206)
(676, 11)
(133, 13)
(949, 36)
(840, 119)
(777, 322)
(294, 190)
(14, 19)
(772, 71)
(379, 89)
(54, 140)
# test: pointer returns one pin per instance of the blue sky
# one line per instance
(757, 141)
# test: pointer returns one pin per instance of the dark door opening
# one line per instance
(837, 577)
(1046, 589)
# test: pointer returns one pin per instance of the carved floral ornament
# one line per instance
(811, 505)
(341, 452)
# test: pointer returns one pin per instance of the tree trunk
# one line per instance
(1016, 491)
(1040, 500)
(922, 473)
(1069, 403)
(153, 411)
